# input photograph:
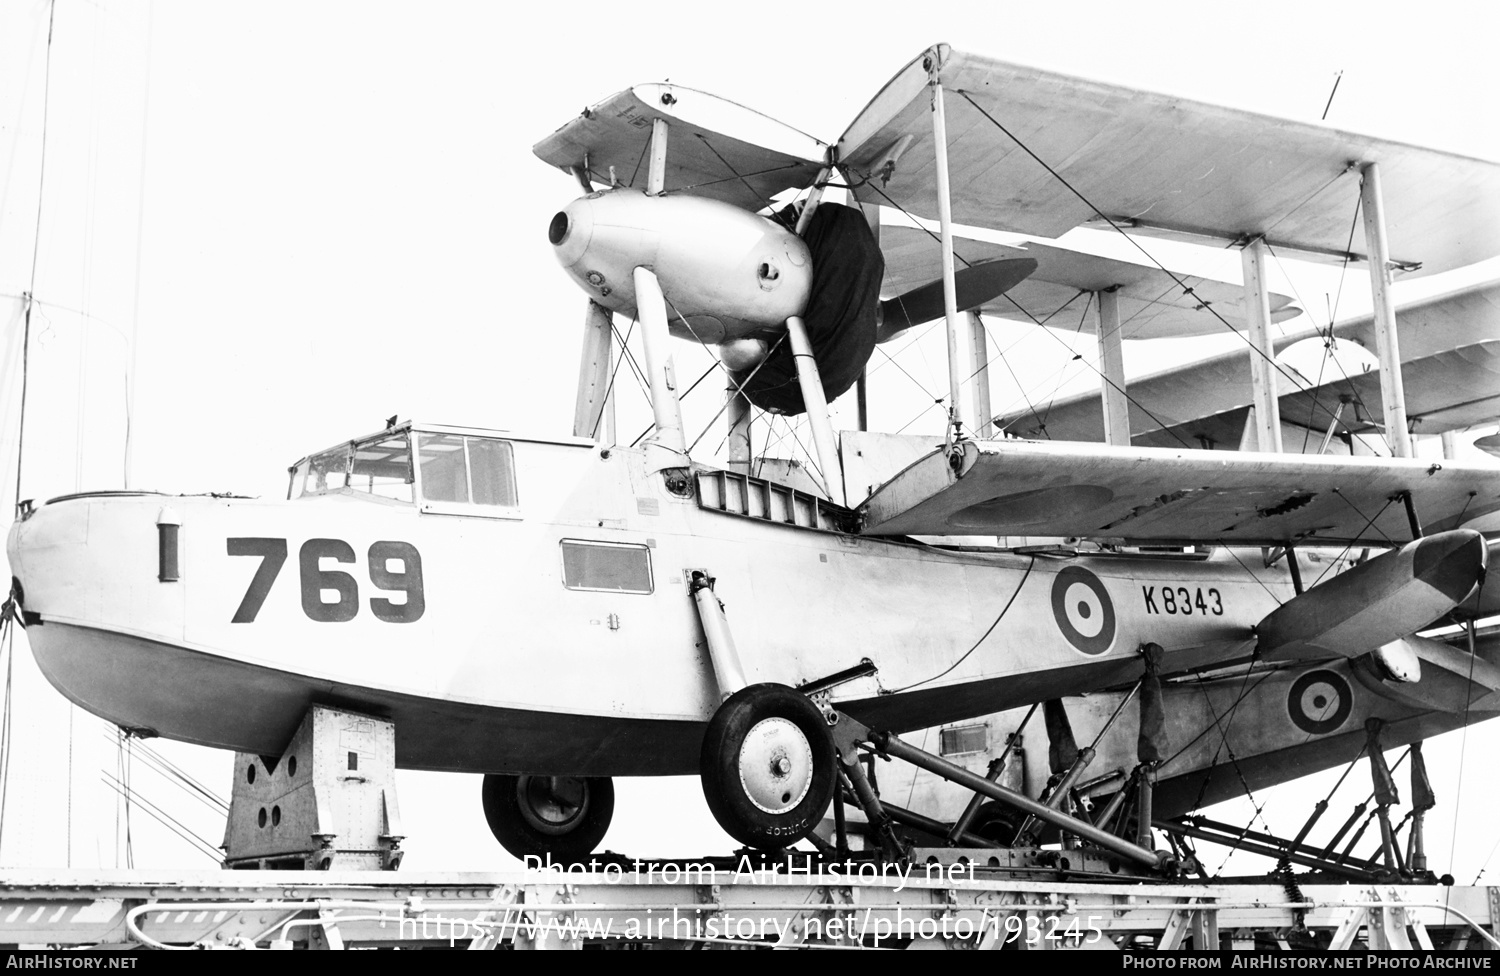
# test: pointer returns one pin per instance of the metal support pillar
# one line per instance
(593, 372)
(853, 776)
(893, 746)
(1386, 795)
(670, 449)
(1262, 369)
(1112, 370)
(1059, 795)
(1392, 392)
(814, 197)
(816, 403)
(739, 414)
(722, 654)
(656, 173)
(959, 367)
(995, 771)
(1412, 521)
(979, 347)
(1146, 787)
(1450, 445)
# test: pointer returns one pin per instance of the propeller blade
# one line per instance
(974, 286)
(1489, 444)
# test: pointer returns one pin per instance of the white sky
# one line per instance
(314, 215)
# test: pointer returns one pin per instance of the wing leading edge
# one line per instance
(1156, 496)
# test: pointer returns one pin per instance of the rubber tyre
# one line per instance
(747, 711)
(997, 822)
(571, 839)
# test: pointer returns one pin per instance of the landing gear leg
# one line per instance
(559, 817)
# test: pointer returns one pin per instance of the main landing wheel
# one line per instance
(767, 766)
(562, 816)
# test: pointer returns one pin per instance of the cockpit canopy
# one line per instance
(451, 470)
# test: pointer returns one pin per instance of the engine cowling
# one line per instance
(729, 273)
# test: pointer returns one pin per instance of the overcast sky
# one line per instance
(311, 216)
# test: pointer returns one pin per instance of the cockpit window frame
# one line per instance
(470, 509)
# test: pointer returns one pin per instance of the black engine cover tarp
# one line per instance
(841, 313)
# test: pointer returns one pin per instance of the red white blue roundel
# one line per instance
(1083, 610)
(1319, 702)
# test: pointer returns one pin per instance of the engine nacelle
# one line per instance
(728, 272)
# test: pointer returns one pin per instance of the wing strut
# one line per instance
(811, 384)
(1112, 369)
(1392, 394)
(667, 448)
(1266, 408)
(958, 366)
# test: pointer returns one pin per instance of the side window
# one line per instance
(609, 567)
(963, 739)
(463, 470)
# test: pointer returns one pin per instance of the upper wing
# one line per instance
(1157, 163)
(1450, 368)
(611, 141)
(1149, 495)
(1152, 303)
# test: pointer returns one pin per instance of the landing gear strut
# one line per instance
(562, 817)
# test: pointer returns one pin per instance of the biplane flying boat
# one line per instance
(584, 610)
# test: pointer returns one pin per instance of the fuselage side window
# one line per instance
(463, 470)
(610, 567)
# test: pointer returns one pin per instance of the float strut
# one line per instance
(1411, 515)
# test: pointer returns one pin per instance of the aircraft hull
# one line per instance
(209, 699)
(496, 663)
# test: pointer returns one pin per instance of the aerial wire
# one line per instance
(36, 243)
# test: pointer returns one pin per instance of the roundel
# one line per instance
(1083, 610)
(1319, 702)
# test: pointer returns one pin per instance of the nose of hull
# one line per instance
(92, 564)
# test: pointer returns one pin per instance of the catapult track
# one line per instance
(684, 904)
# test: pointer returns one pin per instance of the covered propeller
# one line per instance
(975, 286)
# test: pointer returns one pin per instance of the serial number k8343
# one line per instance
(1182, 601)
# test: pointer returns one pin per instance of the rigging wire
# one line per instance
(1039, 322)
(1187, 290)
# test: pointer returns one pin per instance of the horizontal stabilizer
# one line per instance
(1377, 602)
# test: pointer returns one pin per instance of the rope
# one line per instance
(989, 630)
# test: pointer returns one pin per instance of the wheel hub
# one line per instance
(552, 804)
(775, 765)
